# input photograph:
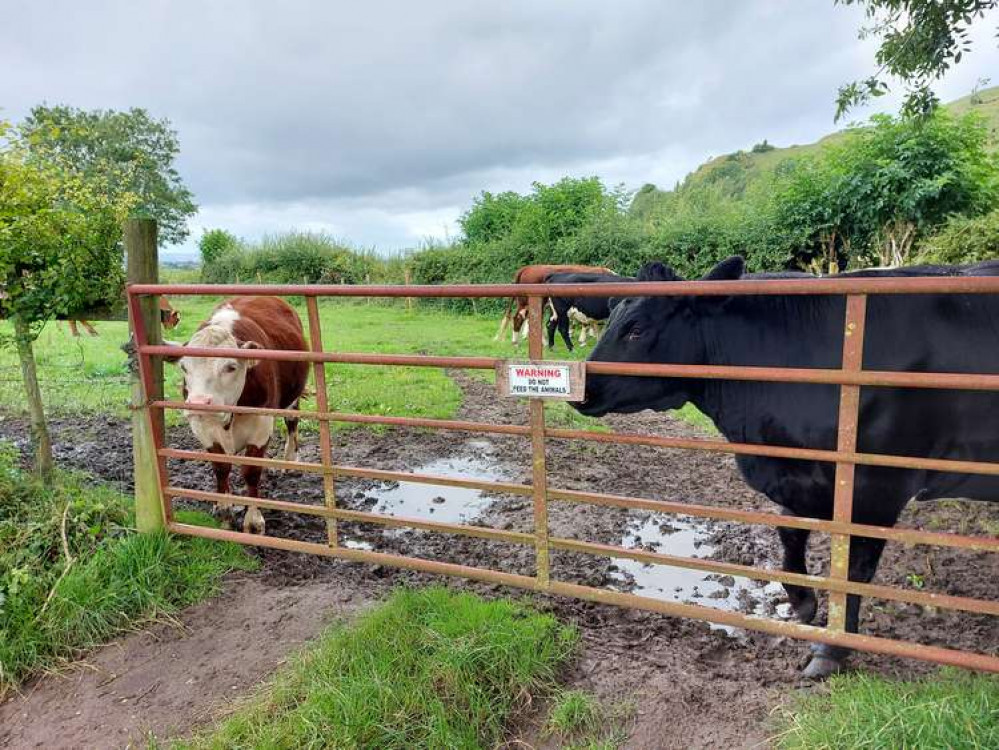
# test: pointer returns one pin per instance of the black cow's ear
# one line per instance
(729, 269)
(657, 271)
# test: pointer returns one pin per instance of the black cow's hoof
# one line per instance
(821, 667)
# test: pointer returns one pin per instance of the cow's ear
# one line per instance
(656, 271)
(729, 269)
(250, 363)
(174, 358)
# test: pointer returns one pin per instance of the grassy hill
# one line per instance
(732, 173)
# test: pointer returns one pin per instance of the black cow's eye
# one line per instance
(635, 333)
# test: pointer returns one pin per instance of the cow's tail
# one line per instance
(506, 320)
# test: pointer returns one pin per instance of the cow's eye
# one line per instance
(230, 368)
(635, 333)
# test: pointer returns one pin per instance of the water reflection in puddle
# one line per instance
(437, 503)
(685, 536)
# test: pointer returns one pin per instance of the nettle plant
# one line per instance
(60, 253)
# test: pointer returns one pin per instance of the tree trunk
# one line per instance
(39, 430)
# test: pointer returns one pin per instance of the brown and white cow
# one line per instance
(244, 323)
(516, 312)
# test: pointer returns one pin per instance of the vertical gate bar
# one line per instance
(539, 470)
(849, 415)
(155, 415)
(322, 405)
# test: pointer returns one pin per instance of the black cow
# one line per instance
(586, 310)
(918, 333)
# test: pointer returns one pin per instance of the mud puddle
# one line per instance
(476, 460)
(687, 536)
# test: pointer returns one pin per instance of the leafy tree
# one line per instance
(214, 245)
(131, 151)
(870, 198)
(920, 41)
(492, 217)
(60, 252)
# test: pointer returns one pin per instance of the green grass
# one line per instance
(427, 669)
(88, 375)
(580, 722)
(53, 607)
(952, 709)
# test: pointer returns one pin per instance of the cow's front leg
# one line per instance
(253, 521)
(864, 557)
(795, 544)
(223, 510)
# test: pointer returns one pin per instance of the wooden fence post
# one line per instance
(143, 268)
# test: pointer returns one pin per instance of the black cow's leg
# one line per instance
(864, 557)
(223, 511)
(802, 598)
(563, 329)
(253, 521)
(552, 324)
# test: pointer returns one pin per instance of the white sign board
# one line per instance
(554, 380)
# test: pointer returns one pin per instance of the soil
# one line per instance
(685, 684)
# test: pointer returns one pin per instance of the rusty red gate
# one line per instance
(850, 377)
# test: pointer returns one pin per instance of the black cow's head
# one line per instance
(656, 330)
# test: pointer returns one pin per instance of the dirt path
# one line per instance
(171, 678)
(689, 685)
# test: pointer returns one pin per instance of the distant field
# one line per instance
(88, 375)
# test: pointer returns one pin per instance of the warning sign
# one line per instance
(556, 380)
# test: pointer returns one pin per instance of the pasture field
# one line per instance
(88, 375)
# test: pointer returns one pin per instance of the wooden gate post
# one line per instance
(143, 268)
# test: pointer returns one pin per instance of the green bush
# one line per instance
(963, 240)
(300, 258)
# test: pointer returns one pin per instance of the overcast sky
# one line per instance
(379, 121)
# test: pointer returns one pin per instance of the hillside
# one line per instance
(732, 173)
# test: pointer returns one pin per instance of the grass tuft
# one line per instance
(429, 668)
(73, 574)
(573, 712)
(950, 709)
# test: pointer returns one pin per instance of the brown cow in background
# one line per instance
(534, 275)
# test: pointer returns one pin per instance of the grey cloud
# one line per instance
(413, 106)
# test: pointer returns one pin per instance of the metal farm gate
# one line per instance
(153, 482)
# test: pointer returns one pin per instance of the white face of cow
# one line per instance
(215, 381)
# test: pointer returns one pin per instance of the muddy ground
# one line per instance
(682, 683)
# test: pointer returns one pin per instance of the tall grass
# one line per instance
(428, 669)
(952, 709)
(73, 574)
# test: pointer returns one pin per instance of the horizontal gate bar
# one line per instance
(357, 555)
(481, 532)
(777, 451)
(711, 446)
(825, 286)
(908, 536)
(693, 611)
(333, 416)
(508, 488)
(925, 598)
(937, 654)
(817, 376)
